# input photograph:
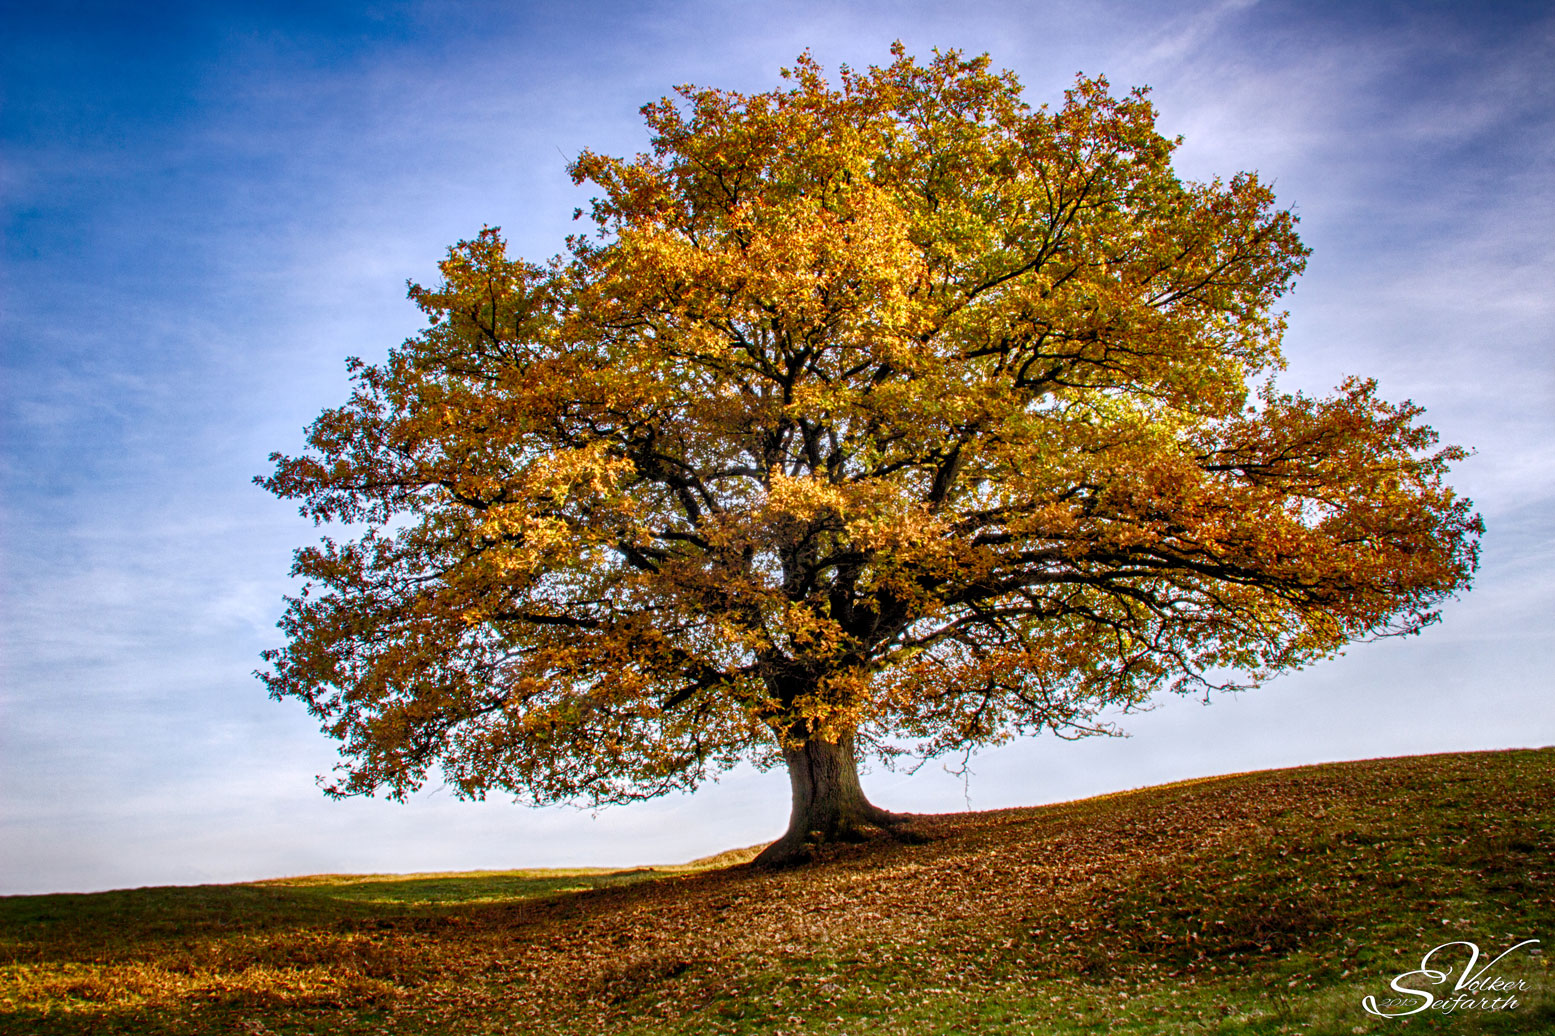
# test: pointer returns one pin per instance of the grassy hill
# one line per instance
(1258, 903)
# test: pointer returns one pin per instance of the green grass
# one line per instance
(1254, 904)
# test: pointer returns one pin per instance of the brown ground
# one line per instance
(1185, 883)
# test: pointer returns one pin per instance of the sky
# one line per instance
(208, 207)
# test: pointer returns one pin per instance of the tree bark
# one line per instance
(828, 804)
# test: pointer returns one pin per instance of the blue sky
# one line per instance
(207, 208)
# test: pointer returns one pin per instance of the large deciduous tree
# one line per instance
(895, 415)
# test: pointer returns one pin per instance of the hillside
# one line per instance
(1262, 903)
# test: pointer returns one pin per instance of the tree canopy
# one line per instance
(891, 415)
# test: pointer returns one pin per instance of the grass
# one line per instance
(1248, 905)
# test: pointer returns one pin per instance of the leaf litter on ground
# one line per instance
(1264, 902)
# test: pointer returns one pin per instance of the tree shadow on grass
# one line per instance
(331, 950)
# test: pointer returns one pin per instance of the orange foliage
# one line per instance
(894, 410)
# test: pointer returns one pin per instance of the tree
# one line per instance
(890, 416)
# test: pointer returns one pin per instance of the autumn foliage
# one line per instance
(895, 415)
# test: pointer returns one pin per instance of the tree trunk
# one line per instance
(828, 803)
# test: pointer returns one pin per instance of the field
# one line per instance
(1260, 903)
